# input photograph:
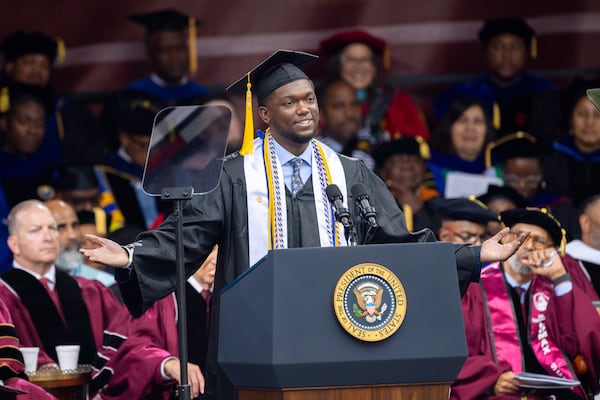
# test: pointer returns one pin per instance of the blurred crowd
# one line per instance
(507, 139)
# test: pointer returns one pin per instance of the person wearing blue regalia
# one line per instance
(170, 47)
(518, 97)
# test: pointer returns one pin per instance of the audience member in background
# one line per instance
(341, 119)
(521, 100)
(519, 159)
(499, 199)
(72, 131)
(462, 220)
(575, 167)
(84, 187)
(123, 169)
(587, 250)
(401, 165)
(70, 259)
(25, 160)
(170, 42)
(12, 370)
(459, 142)
(536, 316)
(153, 343)
(359, 58)
(49, 307)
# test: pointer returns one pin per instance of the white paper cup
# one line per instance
(30, 356)
(68, 356)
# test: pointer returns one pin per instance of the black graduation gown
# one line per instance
(222, 217)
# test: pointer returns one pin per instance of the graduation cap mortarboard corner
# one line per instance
(540, 217)
(518, 144)
(170, 19)
(21, 43)
(338, 41)
(463, 209)
(515, 25)
(279, 69)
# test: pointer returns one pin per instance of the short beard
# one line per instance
(70, 258)
(517, 266)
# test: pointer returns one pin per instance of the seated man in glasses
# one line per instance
(463, 220)
(531, 313)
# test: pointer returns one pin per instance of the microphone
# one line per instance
(342, 214)
(366, 211)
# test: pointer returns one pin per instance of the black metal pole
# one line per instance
(184, 386)
(179, 196)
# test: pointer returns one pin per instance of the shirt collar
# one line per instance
(285, 156)
(195, 284)
(513, 283)
(50, 275)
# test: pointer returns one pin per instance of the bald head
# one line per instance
(33, 238)
(16, 211)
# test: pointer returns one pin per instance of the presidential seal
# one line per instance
(369, 302)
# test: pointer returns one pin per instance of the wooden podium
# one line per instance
(385, 392)
(279, 337)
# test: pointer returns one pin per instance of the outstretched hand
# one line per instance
(107, 252)
(494, 250)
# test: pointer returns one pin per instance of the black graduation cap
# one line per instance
(170, 20)
(517, 145)
(136, 111)
(405, 145)
(503, 192)
(540, 217)
(166, 19)
(16, 92)
(70, 176)
(515, 25)
(21, 43)
(280, 68)
(463, 209)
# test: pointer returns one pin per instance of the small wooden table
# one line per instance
(64, 385)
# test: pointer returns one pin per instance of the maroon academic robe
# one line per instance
(108, 318)
(135, 368)
(12, 369)
(573, 324)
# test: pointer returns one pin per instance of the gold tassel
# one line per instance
(496, 116)
(61, 50)
(4, 100)
(248, 142)
(423, 148)
(100, 217)
(488, 155)
(408, 217)
(534, 47)
(563, 242)
(192, 45)
(387, 58)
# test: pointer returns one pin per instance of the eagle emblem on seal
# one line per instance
(368, 296)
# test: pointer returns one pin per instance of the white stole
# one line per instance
(257, 197)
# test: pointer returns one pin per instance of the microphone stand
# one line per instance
(180, 195)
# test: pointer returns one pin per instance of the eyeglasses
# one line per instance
(356, 60)
(536, 241)
(468, 237)
(531, 181)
